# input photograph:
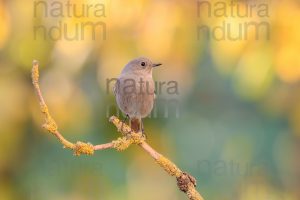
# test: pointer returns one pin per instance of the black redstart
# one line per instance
(134, 91)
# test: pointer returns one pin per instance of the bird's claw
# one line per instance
(144, 134)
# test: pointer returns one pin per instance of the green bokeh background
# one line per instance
(235, 124)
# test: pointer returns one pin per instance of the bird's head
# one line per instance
(141, 64)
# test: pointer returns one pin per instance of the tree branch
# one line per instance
(185, 182)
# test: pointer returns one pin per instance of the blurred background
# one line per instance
(228, 108)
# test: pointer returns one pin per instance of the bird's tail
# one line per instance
(135, 125)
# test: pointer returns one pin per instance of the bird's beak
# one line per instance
(156, 64)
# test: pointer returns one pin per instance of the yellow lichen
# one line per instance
(35, 72)
(129, 137)
(124, 142)
(50, 124)
(121, 127)
(168, 166)
(192, 193)
(137, 138)
(121, 144)
(83, 148)
(44, 109)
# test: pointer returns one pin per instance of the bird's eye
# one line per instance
(143, 64)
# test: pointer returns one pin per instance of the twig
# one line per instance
(185, 182)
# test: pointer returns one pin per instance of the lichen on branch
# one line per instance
(185, 182)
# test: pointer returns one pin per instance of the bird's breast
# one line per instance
(135, 94)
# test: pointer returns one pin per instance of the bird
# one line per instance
(135, 91)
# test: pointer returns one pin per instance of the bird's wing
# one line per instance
(115, 88)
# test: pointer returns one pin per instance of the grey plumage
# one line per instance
(134, 91)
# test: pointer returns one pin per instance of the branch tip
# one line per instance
(35, 72)
(123, 128)
(35, 62)
(185, 182)
(112, 118)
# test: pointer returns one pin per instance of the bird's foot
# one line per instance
(144, 134)
(123, 122)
